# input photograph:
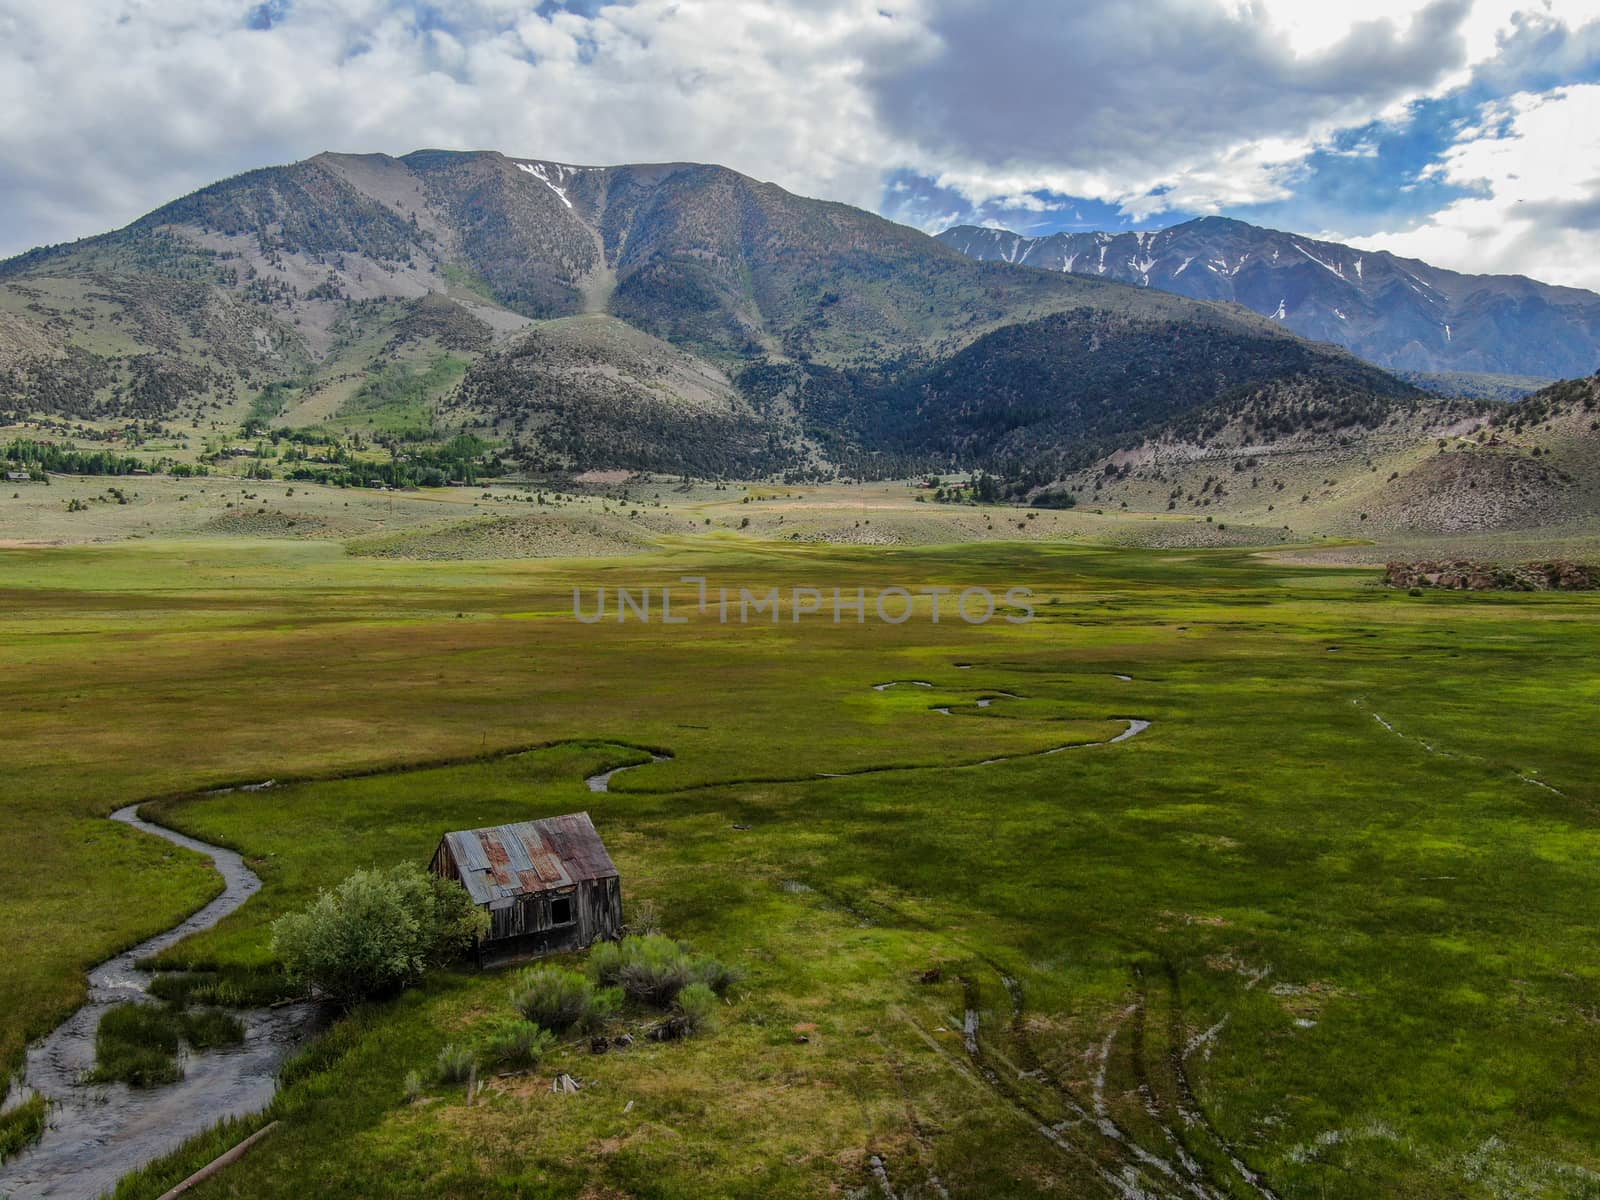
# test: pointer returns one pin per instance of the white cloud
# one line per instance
(109, 117)
(1366, 149)
(1534, 163)
(1309, 29)
(1166, 105)
(115, 106)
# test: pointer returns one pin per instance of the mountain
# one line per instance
(586, 391)
(701, 254)
(673, 316)
(1476, 385)
(1400, 313)
(1456, 469)
(1054, 393)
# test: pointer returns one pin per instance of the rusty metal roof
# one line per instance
(531, 856)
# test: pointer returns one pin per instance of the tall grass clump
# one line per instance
(211, 1027)
(137, 1044)
(454, 1064)
(228, 988)
(714, 973)
(21, 1126)
(646, 918)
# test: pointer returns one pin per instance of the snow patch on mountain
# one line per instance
(1496, 323)
(1334, 268)
(540, 171)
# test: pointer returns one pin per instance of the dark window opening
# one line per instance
(561, 910)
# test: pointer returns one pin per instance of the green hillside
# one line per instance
(743, 330)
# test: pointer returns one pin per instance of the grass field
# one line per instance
(1318, 932)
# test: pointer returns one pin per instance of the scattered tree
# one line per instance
(377, 932)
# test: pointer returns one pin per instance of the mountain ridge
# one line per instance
(819, 337)
(1400, 313)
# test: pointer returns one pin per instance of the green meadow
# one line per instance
(1326, 928)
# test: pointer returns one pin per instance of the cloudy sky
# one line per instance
(1466, 132)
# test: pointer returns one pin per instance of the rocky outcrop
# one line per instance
(1462, 575)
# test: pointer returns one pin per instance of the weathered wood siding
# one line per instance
(525, 925)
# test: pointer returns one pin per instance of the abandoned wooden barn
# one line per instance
(548, 885)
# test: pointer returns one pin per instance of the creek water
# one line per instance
(98, 1132)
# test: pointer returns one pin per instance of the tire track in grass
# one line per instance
(1191, 1176)
(918, 1130)
(1188, 1170)
(988, 1081)
(1159, 1112)
(1102, 1060)
(1190, 1111)
(1188, 1101)
(1139, 1173)
(880, 1173)
(1120, 1178)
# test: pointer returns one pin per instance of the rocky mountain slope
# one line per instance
(1053, 393)
(1428, 467)
(675, 316)
(1400, 313)
(584, 390)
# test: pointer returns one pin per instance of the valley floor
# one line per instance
(1323, 929)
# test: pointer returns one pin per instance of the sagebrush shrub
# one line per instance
(553, 997)
(715, 974)
(606, 1003)
(654, 969)
(516, 1043)
(696, 1009)
(605, 962)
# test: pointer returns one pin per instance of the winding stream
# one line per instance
(1135, 726)
(97, 1133)
(602, 781)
